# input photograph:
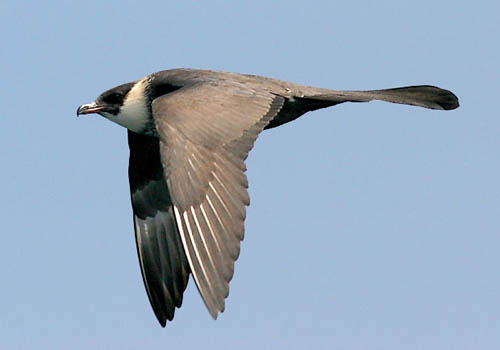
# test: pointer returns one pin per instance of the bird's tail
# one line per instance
(423, 95)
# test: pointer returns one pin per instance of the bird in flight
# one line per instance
(189, 133)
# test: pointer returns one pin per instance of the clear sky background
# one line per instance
(372, 226)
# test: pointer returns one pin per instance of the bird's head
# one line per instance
(127, 105)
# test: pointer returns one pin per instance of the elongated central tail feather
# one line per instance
(426, 96)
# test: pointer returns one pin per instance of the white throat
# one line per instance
(134, 113)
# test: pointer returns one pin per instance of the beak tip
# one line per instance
(88, 109)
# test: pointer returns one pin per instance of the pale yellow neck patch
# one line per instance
(134, 114)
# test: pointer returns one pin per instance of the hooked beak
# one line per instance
(89, 108)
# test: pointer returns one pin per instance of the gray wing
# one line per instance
(206, 132)
(165, 269)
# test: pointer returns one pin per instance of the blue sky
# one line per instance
(372, 226)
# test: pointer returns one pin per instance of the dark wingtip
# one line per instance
(162, 319)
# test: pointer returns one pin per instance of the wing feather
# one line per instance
(164, 266)
(206, 132)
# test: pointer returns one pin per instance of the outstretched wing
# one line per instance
(164, 266)
(206, 131)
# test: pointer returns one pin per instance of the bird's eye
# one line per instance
(113, 98)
